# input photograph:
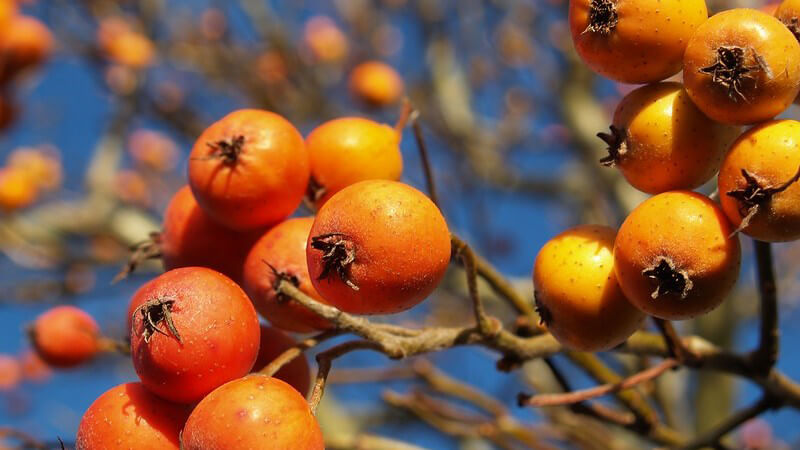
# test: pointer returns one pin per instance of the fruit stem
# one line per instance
(279, 277)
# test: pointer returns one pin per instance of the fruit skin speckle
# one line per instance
(577, 293)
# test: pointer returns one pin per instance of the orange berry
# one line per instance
(249, 169)
(376, 83)
(18, 189)
(365, 248)
(65, 336)
(675, 257)
(325, 39)
(124, 45)
(129, 416)
(348, 150)
(243, 413)
(42, 164)
(26, 43)
(660, 141)
(577, 294)
(742, 66)
(191, 238)
(770, 154)
(634, 41)
(281, 253)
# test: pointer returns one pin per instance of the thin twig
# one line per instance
(500, 284)
(426, 163)
(447, 385)
(766, 355)
(598, 391)
(296, 350)
(486, 324)
(674, 344)
(324, 360)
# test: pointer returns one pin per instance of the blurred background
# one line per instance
(508, 112)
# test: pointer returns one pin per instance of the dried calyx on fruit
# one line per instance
(603, 17)
(669, 279)
(754, 194)
(545, 316)
(617, 146)
(338, 254)
(153, 313)
(228, 150)
(731, 69)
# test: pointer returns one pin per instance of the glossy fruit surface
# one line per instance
(281, 254)
(742, 66)
(634, 41)
(273, 343)
(365, 251)
(192, 330)
(249, 169)
(376, 83)
(191, 238)
(65, 336)
(348, 150)
(252, 412)
(770, 154)
(675, 257)
(661, 142)
(577, 294)
(128, 416)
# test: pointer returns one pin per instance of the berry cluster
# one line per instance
(677, 255)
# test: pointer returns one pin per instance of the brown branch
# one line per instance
(293, 352)
(647, 421)
(598, 391)
(426, 340)
(766, 355)
(675, 346)
(500, 284)
(450, 386)
(110, 345)
(324, 360)
(486, 324)
(596, 410)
